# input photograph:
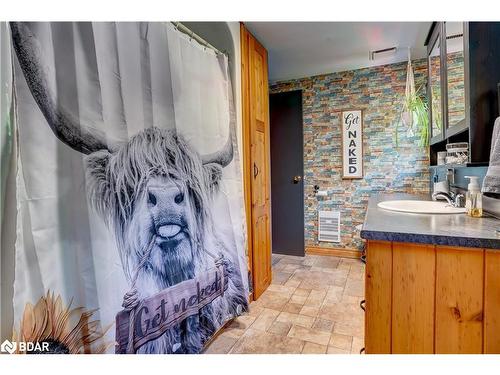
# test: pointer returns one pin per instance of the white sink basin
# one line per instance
(421, 207)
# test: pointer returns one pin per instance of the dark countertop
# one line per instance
(436, 229)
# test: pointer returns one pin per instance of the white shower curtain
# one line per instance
(158, 106)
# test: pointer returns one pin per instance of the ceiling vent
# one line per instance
(382, 53)
(454, 36)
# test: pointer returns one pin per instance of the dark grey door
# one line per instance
(287, 168)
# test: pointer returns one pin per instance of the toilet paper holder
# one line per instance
(320, 193)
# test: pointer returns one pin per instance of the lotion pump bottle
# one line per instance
(473, 198)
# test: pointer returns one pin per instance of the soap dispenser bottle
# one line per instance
(473, 198)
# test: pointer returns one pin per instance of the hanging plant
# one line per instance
(415, 112)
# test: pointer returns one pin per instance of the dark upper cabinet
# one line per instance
(435, 86)
(463, 78)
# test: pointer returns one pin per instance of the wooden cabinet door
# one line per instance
(256, 113)
(492, 302)
(378, 286)
(426, 298)
(459, 301)
(413, 288)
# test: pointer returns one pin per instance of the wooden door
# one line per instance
(287, 169)
(257, 159)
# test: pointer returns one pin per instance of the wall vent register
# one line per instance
(329, 226)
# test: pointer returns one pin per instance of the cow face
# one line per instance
(155, 189)
(164, 214)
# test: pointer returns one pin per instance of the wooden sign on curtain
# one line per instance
(352, 144)
(157, 314)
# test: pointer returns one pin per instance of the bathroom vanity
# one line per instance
(432, 281)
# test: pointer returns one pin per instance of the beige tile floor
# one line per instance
(312, 306)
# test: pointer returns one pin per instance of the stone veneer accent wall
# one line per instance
(379, 92)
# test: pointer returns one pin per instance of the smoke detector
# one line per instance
(382, 53)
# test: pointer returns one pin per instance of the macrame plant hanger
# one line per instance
(409, 93)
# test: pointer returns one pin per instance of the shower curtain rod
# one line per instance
(199, 39)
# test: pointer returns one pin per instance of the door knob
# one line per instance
(297, 179)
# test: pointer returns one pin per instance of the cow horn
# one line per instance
(76, 135)
(224, 156)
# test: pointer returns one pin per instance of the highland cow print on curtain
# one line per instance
(130, 225)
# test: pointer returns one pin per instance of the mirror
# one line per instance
(455, 72)
(435, 87)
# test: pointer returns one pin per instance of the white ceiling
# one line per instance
(302, 49)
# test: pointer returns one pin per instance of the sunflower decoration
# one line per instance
(66, 330)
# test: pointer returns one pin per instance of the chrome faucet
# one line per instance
(455, 200)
